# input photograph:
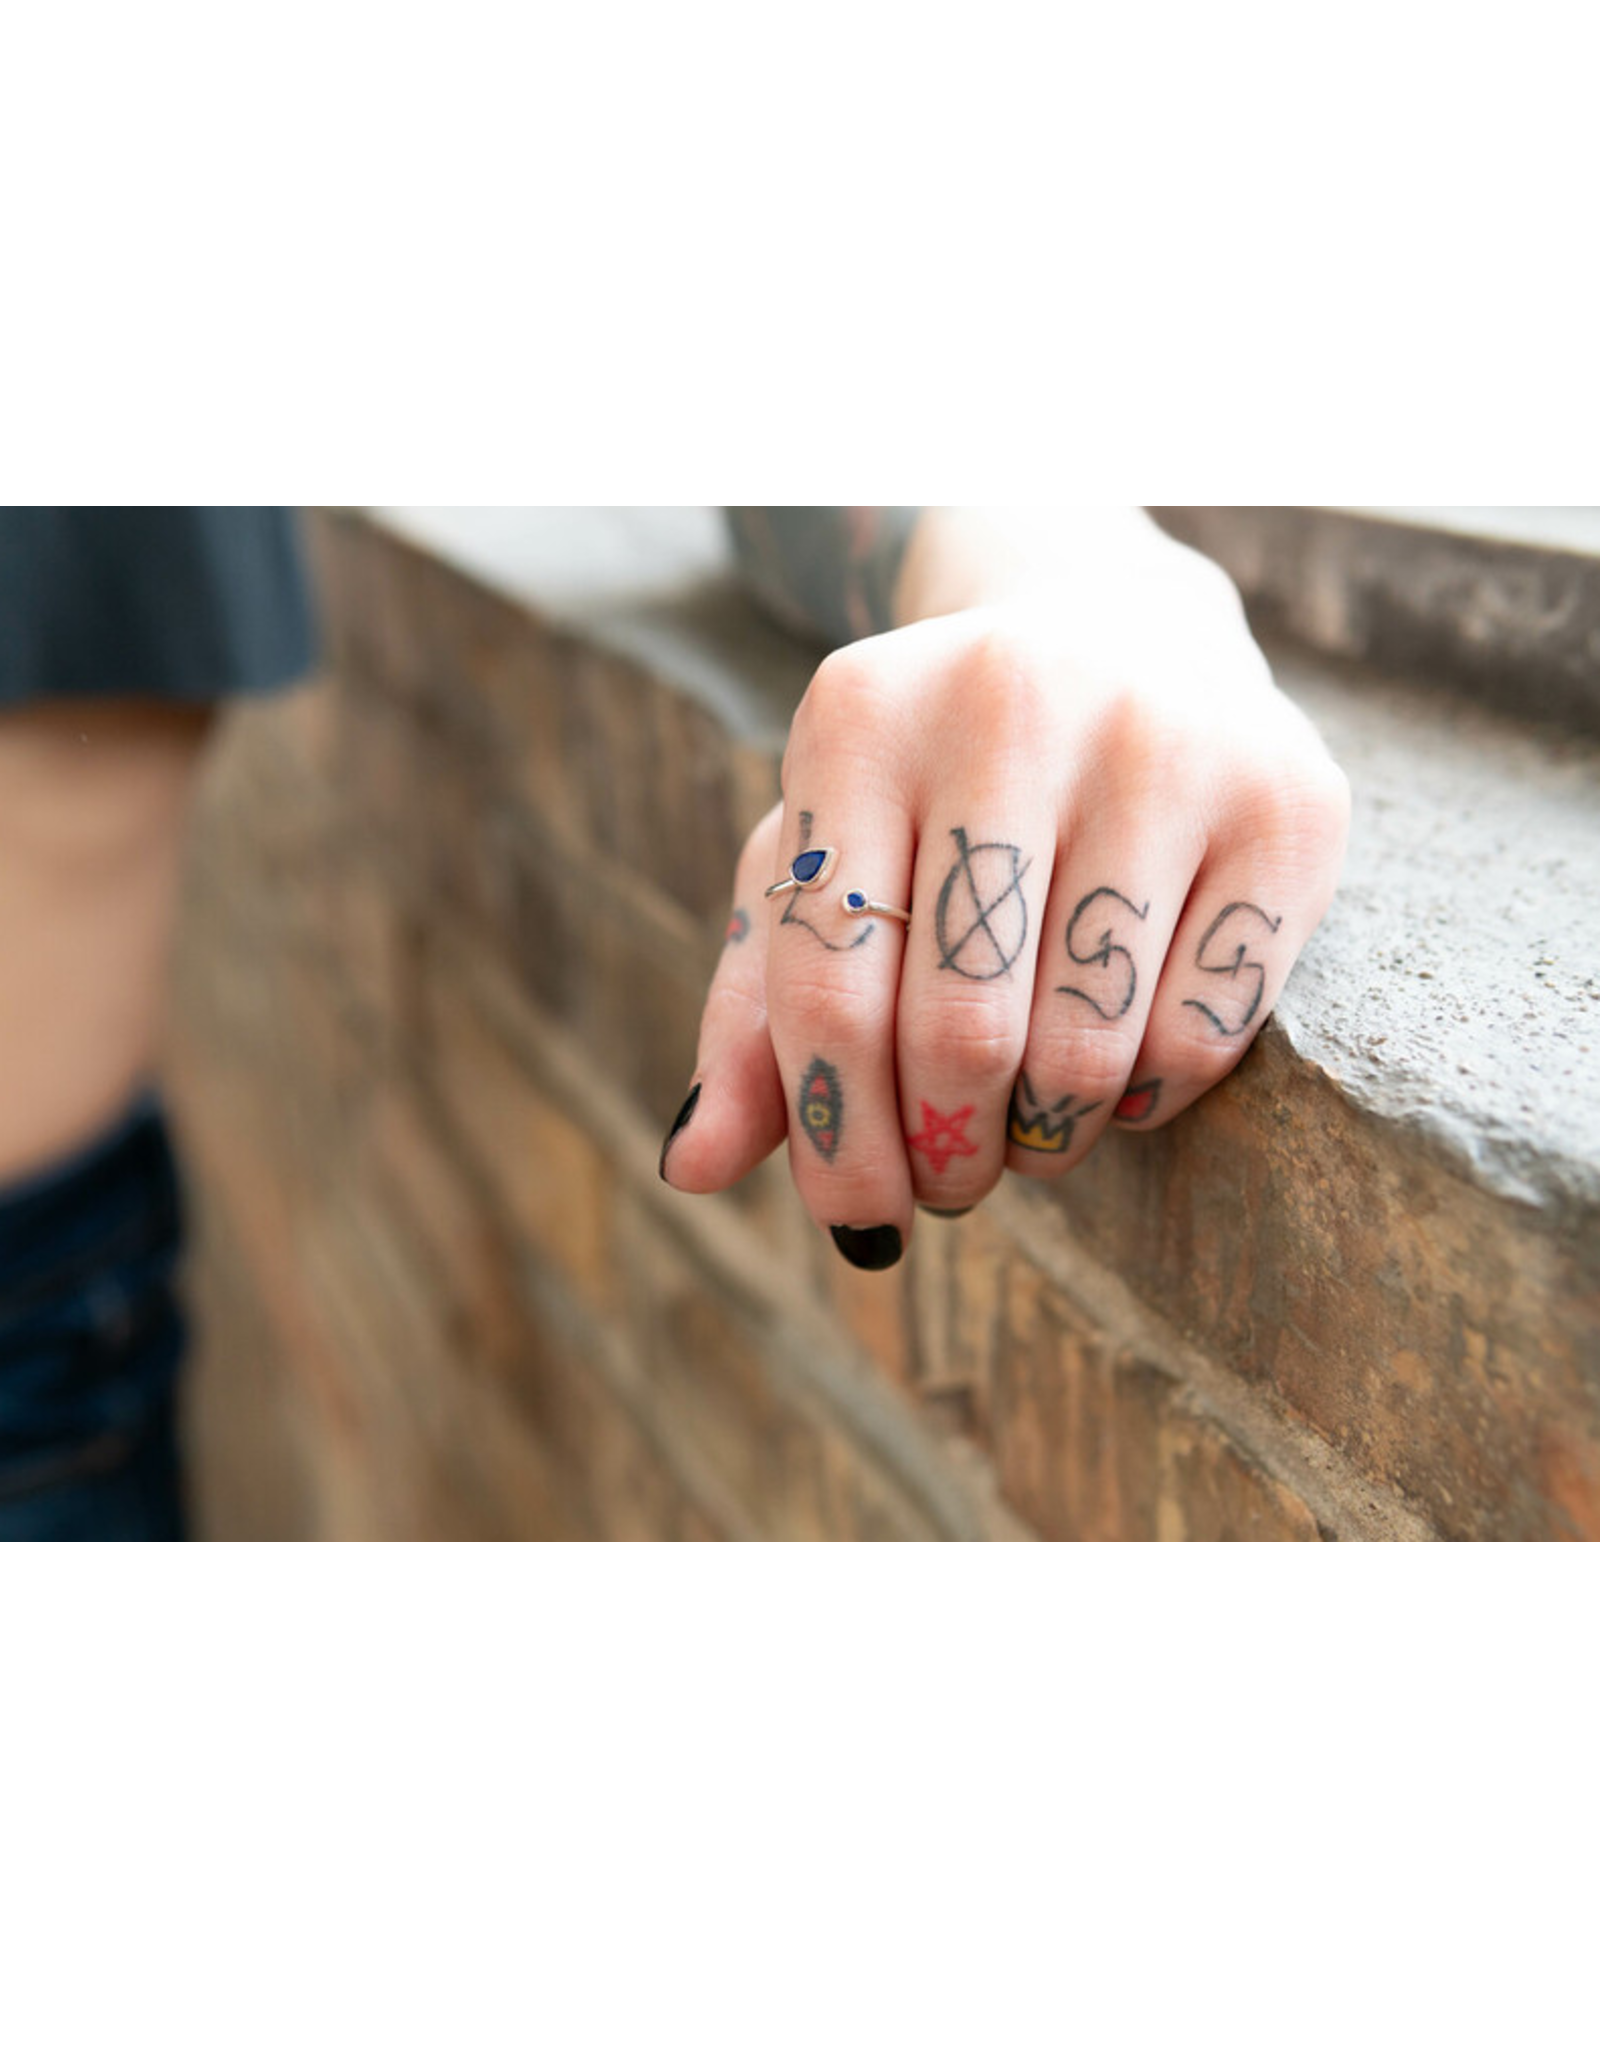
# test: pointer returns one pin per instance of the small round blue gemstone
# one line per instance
(805, 867)
(855, 900)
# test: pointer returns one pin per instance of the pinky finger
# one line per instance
(734, 1113)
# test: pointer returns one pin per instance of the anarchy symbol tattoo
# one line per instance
(981, 923)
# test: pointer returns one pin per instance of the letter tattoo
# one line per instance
(981, 921)
(1237, 1004)
(1117, 984)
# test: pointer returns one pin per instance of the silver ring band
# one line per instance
(856, 903)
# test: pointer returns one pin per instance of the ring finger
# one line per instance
(1111, 915)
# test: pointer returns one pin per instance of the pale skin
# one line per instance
(1070, 759)
(93, 799)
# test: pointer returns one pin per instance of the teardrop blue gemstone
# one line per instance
(805, 867)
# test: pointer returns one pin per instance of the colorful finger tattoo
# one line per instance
(943, 1138)
(1111, 979)
(821, 1107)
(738, 929)
(981, 923)
(1225, 953)
(1139, 1104)
(1039, 1126)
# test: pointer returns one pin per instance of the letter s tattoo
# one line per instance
(1237, 1004)
(1115, 985)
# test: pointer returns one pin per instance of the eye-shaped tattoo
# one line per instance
(1112, 992)
(981, 923)
(1225, 952)
(821, 1107)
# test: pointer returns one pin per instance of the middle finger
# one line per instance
(966, 990)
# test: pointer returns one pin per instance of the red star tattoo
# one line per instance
(943, 1138)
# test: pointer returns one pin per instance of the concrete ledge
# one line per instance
(1510, 618)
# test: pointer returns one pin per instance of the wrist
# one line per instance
(961, 557)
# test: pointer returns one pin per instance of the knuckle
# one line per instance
(1092, 1063)
(734, 1007)
(840, 1014)
(1196, 1053)
(1001, 671)
(857, 1184)
(1155, 752)
(1298, 806)
(848, 691)
(981, 1041)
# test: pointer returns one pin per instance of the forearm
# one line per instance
(958, 557)
(828, 571)
(840, 573)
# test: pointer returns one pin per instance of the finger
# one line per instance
(733, 1114)
(1114, 905)
(1256, 900)
(967, 988)
(831, 986)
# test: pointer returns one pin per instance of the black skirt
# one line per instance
(190, 602)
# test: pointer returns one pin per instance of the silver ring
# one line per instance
(808, 870)
(856, 903)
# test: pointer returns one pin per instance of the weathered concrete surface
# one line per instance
(1512, 618)
(1455, 986)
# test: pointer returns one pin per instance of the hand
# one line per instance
(1114, 836)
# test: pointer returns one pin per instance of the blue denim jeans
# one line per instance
(91, 1339)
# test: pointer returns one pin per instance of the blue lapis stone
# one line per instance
(855, 900)
(805, 867)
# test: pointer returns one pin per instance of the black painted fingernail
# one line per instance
(678, 1123)
(952, 1214)
(871, 1250)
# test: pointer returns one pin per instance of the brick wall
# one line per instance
(437, 1000)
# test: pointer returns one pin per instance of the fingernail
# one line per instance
(871, 1250)
(678, 1124)
(952, 1214)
